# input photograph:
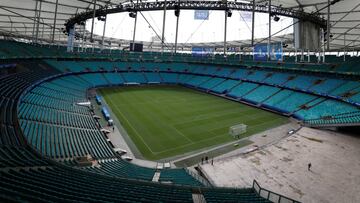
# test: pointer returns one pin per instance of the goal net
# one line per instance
(237, 130)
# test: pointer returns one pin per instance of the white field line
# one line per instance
(253, 126)
(137, 133)
(191, 142)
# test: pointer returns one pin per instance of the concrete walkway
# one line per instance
(283, 167)
(259, 140)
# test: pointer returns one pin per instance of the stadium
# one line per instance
(180, 101)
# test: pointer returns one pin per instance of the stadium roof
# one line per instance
(19, 18)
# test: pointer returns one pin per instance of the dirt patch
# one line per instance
(285, 159)
(255, 160)
(296, 190)
(313, 139)
(282, 148)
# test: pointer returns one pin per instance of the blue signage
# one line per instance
(201, 15)
(276, 52)
(261, 52)
(202, 51)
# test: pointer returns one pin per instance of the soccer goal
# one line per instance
(237, 130)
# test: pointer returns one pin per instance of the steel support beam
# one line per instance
(103, 35)
(344, 47)
(134, 32)
(269, 38)
(83, 37)
(55, 16)
(200, 5)
(328, 27)
(253, 24)
(35, 17)
(225, 28)
(93, 21)
(38, 22)
(177, 30)
(163, 28)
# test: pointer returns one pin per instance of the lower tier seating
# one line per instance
(178, 176)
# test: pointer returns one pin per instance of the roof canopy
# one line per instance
(20, 17)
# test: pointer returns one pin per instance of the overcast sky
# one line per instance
(239, 26)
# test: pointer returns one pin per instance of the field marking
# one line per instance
(137, 133)
(181, 146)
(181, 133)
(246, 114)
(206, 116)
(251, 127)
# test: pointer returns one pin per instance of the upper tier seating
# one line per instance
(313, 84)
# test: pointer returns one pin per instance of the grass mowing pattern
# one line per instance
(165, 121)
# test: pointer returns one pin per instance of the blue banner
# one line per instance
(201, 15)
(202, 51)
(276, 52)
(261, 52)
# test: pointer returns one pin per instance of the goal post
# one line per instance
(237, 130)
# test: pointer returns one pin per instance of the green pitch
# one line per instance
(165, 121)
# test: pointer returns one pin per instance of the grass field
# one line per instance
(165, 121)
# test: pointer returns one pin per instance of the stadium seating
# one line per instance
(261, 93)
(113, 78)
(40, 121)
(242, 89)
(277, 78)
(60, 184)
(302, 82)
(120, 168)
(153, 77)
(326, 86)
(178, 176)
(169, 77)
(230, 195)
(225, 86)
(209, 84)
(94, 79)
(223, 72)
(333, 120)
(293, 101)
(132, 77)
(327, 108)
(257, 76)
(197, 80)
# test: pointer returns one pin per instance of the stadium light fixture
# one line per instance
(229, 13)
(276, 18)
(177, 10)
(132, 14)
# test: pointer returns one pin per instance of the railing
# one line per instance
(271, 196)
(198, 178)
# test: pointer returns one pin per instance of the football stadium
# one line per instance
(250, 101)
